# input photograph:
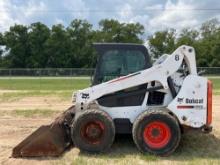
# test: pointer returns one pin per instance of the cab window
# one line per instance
(116, 63)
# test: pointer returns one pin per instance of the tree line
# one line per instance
(38, 46)
(205, 40)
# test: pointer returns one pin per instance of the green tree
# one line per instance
(16, 41)
(187, 37)
(1, 49)
(58, 47)
(205, 40)
(209, 28)
(38, 36)
(162, 42)
(39, 46)
(209, 43)
(81, 38)
(190, 37)
(114, 31)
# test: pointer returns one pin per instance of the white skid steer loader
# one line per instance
(154, 103)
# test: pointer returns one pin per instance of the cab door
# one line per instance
(115, 60)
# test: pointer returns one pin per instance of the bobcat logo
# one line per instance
(85, 95)
(180, 100)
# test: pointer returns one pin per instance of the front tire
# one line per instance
(93, 131)
(156, 132)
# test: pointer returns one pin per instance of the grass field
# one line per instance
(25, 87)
(44, 84)
(27, 103)
(216, 85)
(14, 83)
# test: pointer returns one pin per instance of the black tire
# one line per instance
(93, 131)
(156, 132)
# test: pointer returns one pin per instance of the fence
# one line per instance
(210, 71)
(73, 72)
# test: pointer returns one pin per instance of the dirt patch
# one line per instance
(36, 102)
(13, 130)
(14, 126)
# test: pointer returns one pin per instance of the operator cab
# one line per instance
(119, 59)
(116, 60)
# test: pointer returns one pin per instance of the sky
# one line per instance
(153, 14)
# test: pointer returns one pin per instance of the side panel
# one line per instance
(190, 105)
(132, 112)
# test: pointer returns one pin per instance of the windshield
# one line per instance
(115, 63)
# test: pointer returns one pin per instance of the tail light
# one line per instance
(209, 103)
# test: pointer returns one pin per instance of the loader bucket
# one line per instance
(49, 140)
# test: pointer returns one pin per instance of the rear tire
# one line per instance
(93, 131)
(156, 132)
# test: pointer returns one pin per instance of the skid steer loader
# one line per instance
(155, 103)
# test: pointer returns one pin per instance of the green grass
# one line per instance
(195, 148)
(57, 84)
(216, 83)
(27, 87)
(43, 84)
